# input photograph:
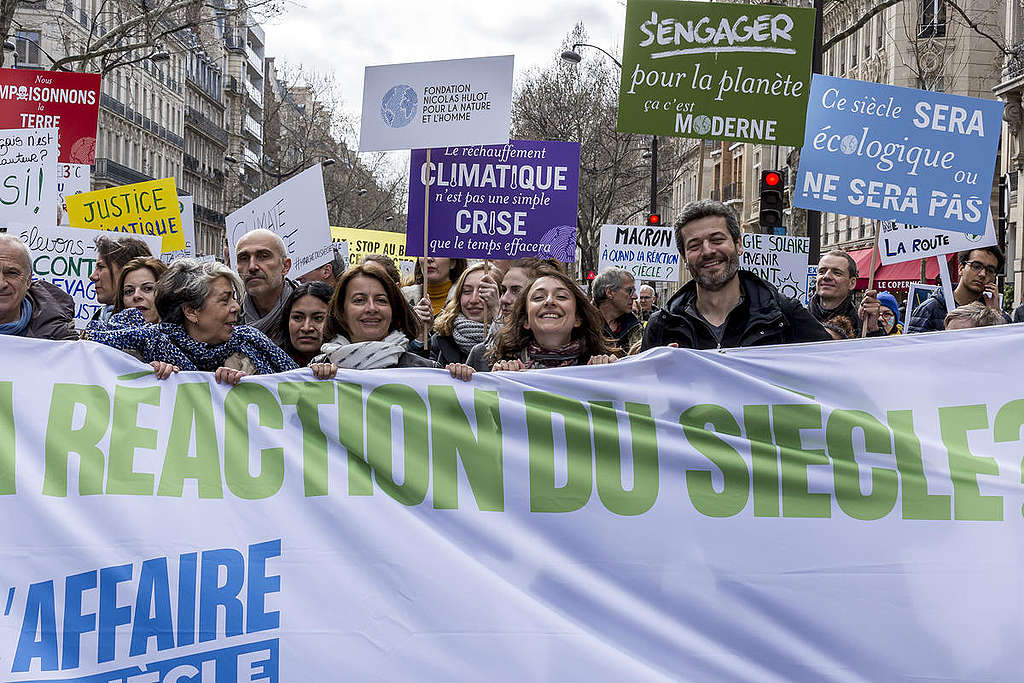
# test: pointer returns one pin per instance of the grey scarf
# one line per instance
(467, 333)
(368, 355)
(270, 323)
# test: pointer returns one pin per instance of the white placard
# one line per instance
(324, 255)
(437, 104)
(28, 177)
(188, 229)
(899, 242)
(647, 252)
(296, 210)
(779, 259)
(71, 179)
(65, 257)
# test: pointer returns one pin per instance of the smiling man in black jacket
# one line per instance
(723, 307)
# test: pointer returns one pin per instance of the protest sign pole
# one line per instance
(871, 277)
(947, 284)
(426, 237)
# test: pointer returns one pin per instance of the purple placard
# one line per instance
(497, 201)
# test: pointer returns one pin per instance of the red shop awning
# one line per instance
(898, 276)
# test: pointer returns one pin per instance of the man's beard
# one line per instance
(715, 282)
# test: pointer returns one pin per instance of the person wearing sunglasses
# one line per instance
(976, 282)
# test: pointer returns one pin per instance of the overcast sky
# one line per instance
(348, 35)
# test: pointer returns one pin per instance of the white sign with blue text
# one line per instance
(890, 153)
(436, 104)
(899, 242)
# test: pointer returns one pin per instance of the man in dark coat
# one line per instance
(833, 295)
(724, 307)
(976, 282)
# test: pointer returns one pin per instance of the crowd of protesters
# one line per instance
(466, 317)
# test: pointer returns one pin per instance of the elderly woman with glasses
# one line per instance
(197, 304)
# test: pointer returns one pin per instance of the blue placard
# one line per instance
(883, 152)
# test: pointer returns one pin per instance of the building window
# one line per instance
(933, 19)
(27, 47)
(853, 50)
(880, 32)
(867, 40)
(842, 57)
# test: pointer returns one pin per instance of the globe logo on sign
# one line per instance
(702, 124)
(848, 144)
(398, 107)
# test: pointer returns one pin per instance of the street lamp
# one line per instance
(573, 57)
(160, 56)
(328, 162)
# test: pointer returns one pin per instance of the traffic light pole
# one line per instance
(654, 175)
(814, 217)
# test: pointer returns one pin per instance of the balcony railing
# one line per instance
(254, 94)
(206, 126)
(1014, 62)
(730, 191)
(255, 61)
(252, 127)
(118, 174)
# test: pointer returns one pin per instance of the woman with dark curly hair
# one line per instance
(552, 324)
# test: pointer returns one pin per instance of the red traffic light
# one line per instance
(654, 219)
(591, 275)
(772, 179)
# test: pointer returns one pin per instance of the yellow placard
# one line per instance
(149, 208)
(362, 242)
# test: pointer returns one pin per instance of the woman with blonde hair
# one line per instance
(463, 322)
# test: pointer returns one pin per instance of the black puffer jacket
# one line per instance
(763, 317)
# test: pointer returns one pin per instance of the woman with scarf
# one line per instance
(463, 323)
(552, 324)
(370, 326)
(197, 304)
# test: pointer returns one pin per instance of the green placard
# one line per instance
(716, 71)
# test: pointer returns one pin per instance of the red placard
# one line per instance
(40, 99)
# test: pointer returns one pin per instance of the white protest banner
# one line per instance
(65, 257)
(188, 228)
(296, 210)
(779, 259)
(28, 177)
(899, 242)
(71, 179)
(434, 104)
(836, 511)
(647, 252)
